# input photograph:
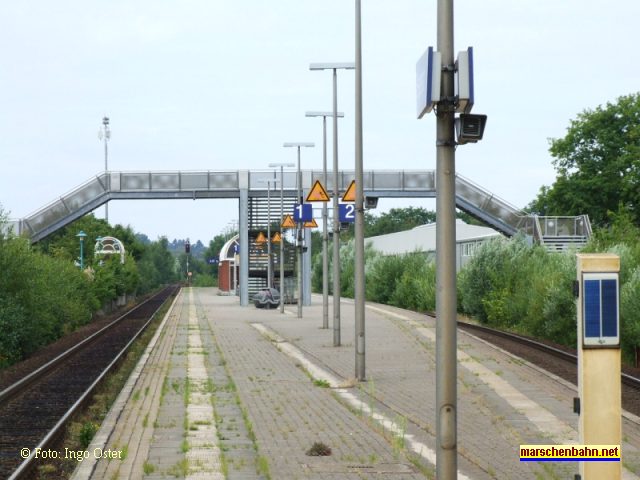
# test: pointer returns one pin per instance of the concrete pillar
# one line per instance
(599, 383)
(243, 228)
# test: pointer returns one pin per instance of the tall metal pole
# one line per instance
(359, 291)
(107, 135)
(325, 221)
(281, 239)
(336, 219)
(446, 367)
(299, 235)
(268, 233)
(336, 194)
(325, 232)
(282, 285)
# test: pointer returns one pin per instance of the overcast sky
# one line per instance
(206, 84)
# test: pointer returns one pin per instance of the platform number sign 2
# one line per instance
(347, 212)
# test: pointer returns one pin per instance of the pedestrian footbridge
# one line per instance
(250, 188)
(470, 197)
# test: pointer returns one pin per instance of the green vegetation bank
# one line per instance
(44, 295)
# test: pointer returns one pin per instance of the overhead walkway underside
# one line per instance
(113, 185)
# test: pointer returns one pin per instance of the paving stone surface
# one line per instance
(220, 398)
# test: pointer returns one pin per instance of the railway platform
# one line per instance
(234, 392)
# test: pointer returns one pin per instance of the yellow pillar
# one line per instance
(599, 385)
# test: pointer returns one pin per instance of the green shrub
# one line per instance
(630, 315)
(383, 276)
(415, 290)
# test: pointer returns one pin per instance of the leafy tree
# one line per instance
(63, 243)
(132, 244)
(597, 164)
(213, 251)
(157, 265)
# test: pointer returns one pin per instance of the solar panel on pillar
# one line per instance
(609, 308)
(592, 308)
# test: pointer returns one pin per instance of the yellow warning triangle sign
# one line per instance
(318, 193)
(261, 238)
(288, 222)
(277, 238)
(350, 194)
(311, 224)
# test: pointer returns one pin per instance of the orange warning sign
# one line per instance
(288, 222)
(276, 237)
(261, 238)
(311, 224)
(350, 194)
(318, 193)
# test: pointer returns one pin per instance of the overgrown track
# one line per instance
(557, 359)
(34, 411)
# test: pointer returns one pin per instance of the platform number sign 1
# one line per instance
(302, 212)
(347, 212)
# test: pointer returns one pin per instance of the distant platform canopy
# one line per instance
(109, 246)
(230, 249)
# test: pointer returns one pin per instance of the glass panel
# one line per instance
(387, 181)
(419, 180)
(47, 216)
(165, 181)
(134, 181)
(193, 181)
(83, 195)
(227, 180)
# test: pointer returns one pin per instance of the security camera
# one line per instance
(470, 128)
(370, 202)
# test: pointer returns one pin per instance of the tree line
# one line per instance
(45, 295)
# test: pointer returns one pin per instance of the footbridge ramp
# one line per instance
(123, 185)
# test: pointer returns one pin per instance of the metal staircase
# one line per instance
(556, 233)
(260, 215)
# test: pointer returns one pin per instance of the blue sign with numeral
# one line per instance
(302, 212)
(347, 212)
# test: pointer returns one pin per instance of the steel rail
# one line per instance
(627, 379)
(18, 386)
(26, 466)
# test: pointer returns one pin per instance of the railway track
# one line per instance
(35, 409)
(557, 359)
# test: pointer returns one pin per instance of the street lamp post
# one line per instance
(268, 234)
(325, 227)
(81, 235)
(359, 291)
(336, 192)
(281, 165)
(105, 133)
(299, 228)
